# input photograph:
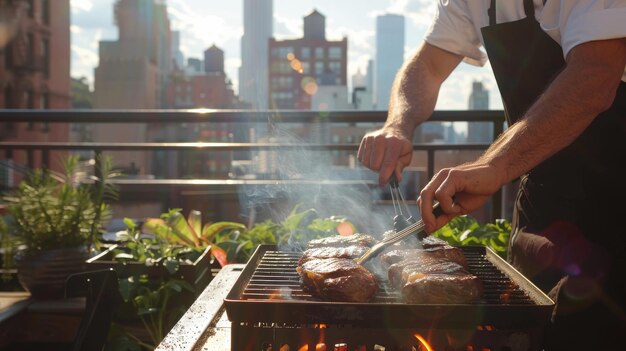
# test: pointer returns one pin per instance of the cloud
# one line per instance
(419, 12)
(287, 28)
(92, 14)
(201, 26)
(81, 5)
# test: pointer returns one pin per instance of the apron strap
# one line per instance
(529, 9)
(491, 12)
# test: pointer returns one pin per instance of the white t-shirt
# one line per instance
(457, 23)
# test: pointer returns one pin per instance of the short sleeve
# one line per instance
(593, 22)
(453, 30)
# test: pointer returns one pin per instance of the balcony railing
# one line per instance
(170, 189)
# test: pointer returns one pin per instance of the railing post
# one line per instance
(431, 163)
(45, 158)
(30, 159)
(98, 165)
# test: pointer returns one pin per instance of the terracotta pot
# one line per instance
(43, 274)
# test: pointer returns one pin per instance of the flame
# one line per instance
(423, 342)
(304, 348)
(320, 347)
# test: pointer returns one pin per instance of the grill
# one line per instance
(269, 310)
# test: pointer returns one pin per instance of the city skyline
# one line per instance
(203, 23)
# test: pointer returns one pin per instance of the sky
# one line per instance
(203, 23)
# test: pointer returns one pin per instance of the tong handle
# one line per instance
(416, 229)
(393, 180)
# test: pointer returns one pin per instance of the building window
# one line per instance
(319, 53)
(29, 99)
(45, 11)
(8, 97)
(335, 67)
(275, 68)
(306, 68)
(45, 57)
(31, 8)
(319, 67)
(305, 53)
(284, 51)
(44, 101)
(334, 53)
(31, 49)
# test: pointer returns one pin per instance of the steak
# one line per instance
(351, 252)
(343, 241)
(443, 289)
(448, 252)
(338, 279)
(399, 273)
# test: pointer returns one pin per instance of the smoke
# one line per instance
(330, 182)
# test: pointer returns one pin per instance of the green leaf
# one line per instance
(210, 230)
(181, 229)
(195, 222)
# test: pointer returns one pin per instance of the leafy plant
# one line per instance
(190, 233)
(298, 228)
(156, 303)
(52, 210)
(465, 230)
(170, 240)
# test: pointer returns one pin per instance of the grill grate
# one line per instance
(275, 278)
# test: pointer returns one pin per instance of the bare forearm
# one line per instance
(585, 88)
(416, 87)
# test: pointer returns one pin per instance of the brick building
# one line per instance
(35, 71)
(298, 67)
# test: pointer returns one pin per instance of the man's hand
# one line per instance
(413, 97)
(386, 151)
(459, 190)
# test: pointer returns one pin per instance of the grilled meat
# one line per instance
(352, 252)
(338, 279)
(343, 241)
(399, 273)
(443, 289)
(448, 252)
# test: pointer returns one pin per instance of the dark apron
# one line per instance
(568, 229)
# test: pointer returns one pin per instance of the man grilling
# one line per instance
(560, 68)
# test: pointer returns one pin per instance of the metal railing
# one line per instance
(270, 118)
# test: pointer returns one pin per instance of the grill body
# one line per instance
(267, 306)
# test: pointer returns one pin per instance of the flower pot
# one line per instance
(198, 273)
(43, 274)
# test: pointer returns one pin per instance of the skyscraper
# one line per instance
(133, 73)
(479, 132)
(177, 55)
(257, 30)
(389, 55)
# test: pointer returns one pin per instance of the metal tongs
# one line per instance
(404, 226)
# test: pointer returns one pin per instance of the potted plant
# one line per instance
(54, 223)
(162, 266)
